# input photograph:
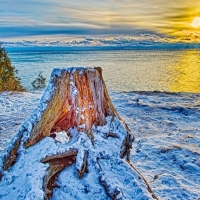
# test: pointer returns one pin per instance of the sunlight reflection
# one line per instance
(187, 73)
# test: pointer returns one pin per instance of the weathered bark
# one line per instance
(57, 164)
(10, 160)
(75, 99)
(79, 99)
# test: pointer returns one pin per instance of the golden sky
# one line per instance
(50, 19)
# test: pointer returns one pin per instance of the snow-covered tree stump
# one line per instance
(75, 122)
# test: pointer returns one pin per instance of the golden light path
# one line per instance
(187, 78)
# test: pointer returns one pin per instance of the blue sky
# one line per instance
(105, 22)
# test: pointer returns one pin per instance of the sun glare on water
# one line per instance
(196, 22)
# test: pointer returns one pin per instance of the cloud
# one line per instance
(142, 41)
(56, 31)
(43, 18)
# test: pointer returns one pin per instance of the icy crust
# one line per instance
(24, 179)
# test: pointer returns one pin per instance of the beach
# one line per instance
(167, 135)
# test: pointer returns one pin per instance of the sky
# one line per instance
(99, 23)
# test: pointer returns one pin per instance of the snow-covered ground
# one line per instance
(167, 130)
(167, 146)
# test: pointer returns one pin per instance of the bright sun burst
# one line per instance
(196, 22)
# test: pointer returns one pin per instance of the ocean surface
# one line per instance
(123, 70)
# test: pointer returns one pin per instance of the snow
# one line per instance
(30, 171)
(165, 151)
(167, 146)
(62, 137)
(73, 89)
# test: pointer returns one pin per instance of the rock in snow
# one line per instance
(73, 146)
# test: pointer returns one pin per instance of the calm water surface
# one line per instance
(131, 70)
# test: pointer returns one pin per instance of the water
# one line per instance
(131, 70)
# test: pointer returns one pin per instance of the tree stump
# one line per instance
(75, 122)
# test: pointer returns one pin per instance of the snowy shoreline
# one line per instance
(167, 130)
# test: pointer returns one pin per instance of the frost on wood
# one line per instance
(79, 99)
(75, 122)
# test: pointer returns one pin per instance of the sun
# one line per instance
(196, 22)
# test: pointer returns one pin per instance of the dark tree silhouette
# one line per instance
(39, 82)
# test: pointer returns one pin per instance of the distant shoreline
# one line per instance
(169, 47)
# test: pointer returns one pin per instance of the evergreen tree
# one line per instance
(8, 80)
